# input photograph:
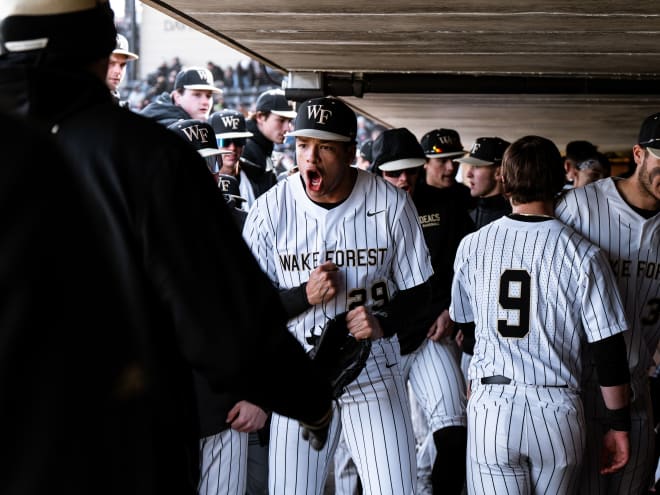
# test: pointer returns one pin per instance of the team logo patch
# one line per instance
(196, 133)
(319, 114)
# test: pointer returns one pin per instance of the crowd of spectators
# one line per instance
(241, 84)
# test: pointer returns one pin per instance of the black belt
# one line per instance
(495, 380)
(503, 380)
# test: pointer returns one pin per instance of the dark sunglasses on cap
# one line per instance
(224, 143)
(393, 174)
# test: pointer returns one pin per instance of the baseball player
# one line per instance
(119, 57)
(535, 293)
(192, 98)
(268, 125)
(621, 216)
(443, 212)
(584, 164)
(429, 365)
(482, 171)
(334, 238)
(201, 136)
(231, 133)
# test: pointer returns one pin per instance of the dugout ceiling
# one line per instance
(559, 68)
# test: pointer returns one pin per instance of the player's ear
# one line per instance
(638, 154)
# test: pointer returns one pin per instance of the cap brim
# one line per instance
(231, 135)
(402, 164)
(203, 87)
(125, 53)
(316, 134)
(287, 114)
(449, 154)
(470, 160)
(654, 151)
(213, 151)
(237, 198)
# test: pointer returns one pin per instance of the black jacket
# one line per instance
(164, 111)
(444, 217)
(489, 209)
(256, 160)
(96, 391)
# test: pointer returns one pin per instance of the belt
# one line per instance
(495, 380)
(503, 380)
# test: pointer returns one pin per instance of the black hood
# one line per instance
(46, 94)
(164, 111)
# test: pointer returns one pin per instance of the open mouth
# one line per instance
(314, 180)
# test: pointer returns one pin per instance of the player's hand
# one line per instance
(615, 452)
(362, 324)
(441, 327)
(322, 284)
(317, 434)
(246, 417)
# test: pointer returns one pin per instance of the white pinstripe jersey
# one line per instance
(632, 245)
(374, 237)
(535, 291)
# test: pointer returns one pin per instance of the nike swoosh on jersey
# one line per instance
(372, 213)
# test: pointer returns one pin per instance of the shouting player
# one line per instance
(621, 216)
(535, 293)
(334, 238)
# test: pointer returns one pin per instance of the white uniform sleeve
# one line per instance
(602, 308)
(257, 236)
(566, 207)
(460, 308)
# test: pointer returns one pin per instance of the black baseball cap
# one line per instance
(325, 118)
(229, 124)
(195, 78)
(75, 30)
(486, 151)
(200, 135)
(366, 150)
(397, 149)
(274, 101)
(442, 143)
(229, 187)
(649, 134)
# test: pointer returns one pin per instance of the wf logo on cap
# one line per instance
(205, 76)
(195, 133)
(224, 185)
(442, 143)
(230, 122)
(448, 139)
(325, 118)
(318, 113)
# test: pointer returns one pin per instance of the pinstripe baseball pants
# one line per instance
(524, 440)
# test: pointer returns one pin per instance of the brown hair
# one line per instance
(533, 170)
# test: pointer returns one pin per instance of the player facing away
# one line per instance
(536, 293)
(334, 238)
(621, 216)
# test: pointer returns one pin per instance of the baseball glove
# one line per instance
(339, 355)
